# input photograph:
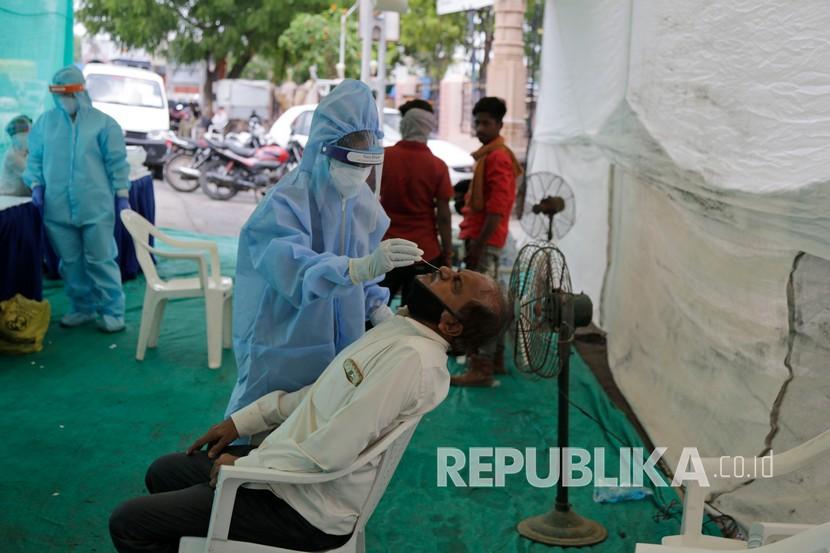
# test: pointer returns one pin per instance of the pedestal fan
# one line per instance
(547, 313)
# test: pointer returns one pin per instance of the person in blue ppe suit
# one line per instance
(77, 163)
(11, 177)
(310, 256)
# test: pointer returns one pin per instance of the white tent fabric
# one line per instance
(694, 135)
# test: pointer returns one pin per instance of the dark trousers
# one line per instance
(180, 502)
(402, 279)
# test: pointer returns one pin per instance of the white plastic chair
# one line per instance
(391, 448)
(216, 289)
(814, 540)
(692, 540)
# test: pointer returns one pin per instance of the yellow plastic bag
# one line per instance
(23, 324)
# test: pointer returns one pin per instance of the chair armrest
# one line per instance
(178, 243)
(246, 475)
(203, 245)
(231, 478)
(198, 257)
(261, 474)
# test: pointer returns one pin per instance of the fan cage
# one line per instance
(539, 272)
(540, 185)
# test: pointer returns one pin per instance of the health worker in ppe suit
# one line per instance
(77, 163)
(310, 256)
(11, 179)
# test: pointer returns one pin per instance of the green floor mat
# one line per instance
(416, 515)
(83, 419)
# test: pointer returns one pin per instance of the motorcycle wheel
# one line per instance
(174, 178)
(211, 188)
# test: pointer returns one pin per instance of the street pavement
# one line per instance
(196, 212)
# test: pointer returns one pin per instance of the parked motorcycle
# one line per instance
(234, 167)
(183, 162)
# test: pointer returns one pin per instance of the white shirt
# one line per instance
(325, 426)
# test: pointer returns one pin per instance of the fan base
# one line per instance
(565, 529)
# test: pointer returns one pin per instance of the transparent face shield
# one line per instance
(360, 149)
(66, 95)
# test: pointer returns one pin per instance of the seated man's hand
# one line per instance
(224, 459)
(219, 436)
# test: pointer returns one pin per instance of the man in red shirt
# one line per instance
(415, 193)
(486, 211)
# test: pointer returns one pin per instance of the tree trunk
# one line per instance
(239, 65)
(210, 78)
(207, 89)
(488, 27)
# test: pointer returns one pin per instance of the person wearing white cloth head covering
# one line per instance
(417, 125)
(415, 194)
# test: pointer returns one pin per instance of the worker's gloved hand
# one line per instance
(122, 203)
(380, 314)
(37, 197)
(391, 254)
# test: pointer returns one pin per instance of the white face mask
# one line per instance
(69, 104)
(348, 179)
(21, 141)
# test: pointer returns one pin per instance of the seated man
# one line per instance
(395, 371)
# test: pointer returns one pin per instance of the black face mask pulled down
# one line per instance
(425, 306)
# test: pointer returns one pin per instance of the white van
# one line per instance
(136, 99)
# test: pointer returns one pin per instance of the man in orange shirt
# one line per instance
(415, 193)
(486, 211)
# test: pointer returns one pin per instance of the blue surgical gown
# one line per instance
(295, 306)
(81, 163)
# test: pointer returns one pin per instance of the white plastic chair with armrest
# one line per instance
(814, 540)
(216, 289)
(692, 540)
(390, 448)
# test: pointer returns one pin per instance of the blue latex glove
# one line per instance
(122, 203)
(37, 197)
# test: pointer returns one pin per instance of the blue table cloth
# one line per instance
(21, 252)
(143, 202)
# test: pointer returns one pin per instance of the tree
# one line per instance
(259, 68)
(222, 33)
(314, 40)
(430, 39)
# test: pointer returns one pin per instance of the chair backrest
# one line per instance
(789, 461)
(391, 456)
(140, 229)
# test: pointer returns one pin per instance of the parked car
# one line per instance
(295, 124)
(135, 98)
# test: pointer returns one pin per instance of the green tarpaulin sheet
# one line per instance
(82, 420)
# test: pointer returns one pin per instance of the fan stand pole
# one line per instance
(562, 526)
(550, 227)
